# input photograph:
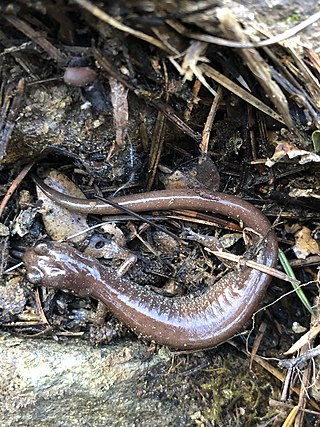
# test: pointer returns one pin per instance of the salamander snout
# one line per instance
(35, 275)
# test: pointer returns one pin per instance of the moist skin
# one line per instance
(189, 322)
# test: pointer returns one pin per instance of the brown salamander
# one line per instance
(188, 322)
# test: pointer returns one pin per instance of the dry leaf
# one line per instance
(285, 149)
(305, 244)
(59, 222)
(119, 100)
(304, 192)
(305, 339)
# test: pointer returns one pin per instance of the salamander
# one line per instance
(187, 322)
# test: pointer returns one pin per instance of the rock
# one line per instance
(70, 383)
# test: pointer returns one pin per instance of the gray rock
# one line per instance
(71, 383)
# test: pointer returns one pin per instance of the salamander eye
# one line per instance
(35, 275)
